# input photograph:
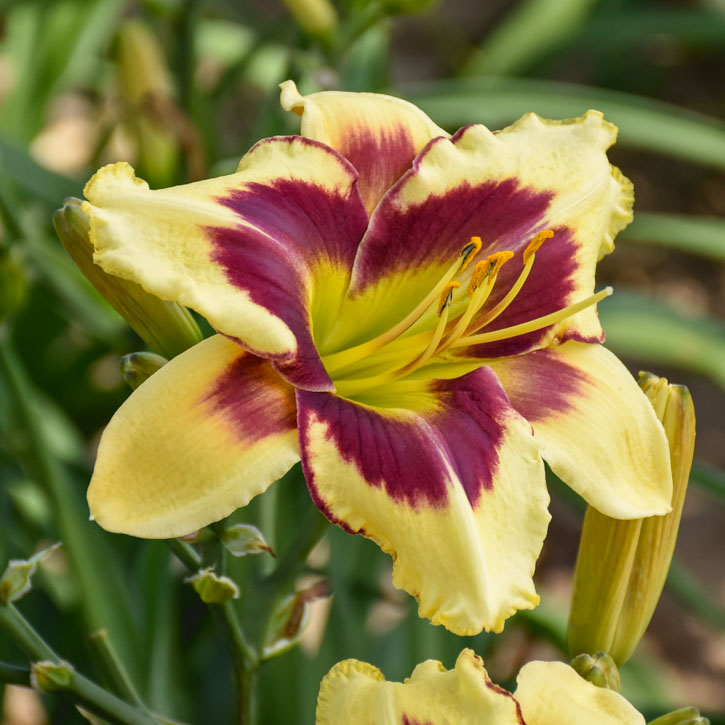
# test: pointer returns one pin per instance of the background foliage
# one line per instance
(70, 101)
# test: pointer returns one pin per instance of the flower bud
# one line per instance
(599, 669)
(146, 90)
(289, 621)
(622, 565)
(17, 580)
(138, 367)
(317, 17)
(212, 588)
(166, 327)
(243, 539)
(683, 716)
(49, 676)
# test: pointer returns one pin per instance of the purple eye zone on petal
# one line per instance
(253, 416)
(413, 458)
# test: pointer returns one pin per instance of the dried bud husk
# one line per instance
(599, 669)
(622, 565)
(683, 716)
(49, 676)
(17, 580)
(212, 588)
(317, 17)
(167, 328)
(138, 367)
(288, 623)
(243, 539)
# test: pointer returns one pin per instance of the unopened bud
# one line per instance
(683, 716)
(17, 580)
(138, 367)
(289, 621)
(243, 539)
(622, 565)
(212, 588)
(146, 89)
(599, 669)
(168, 328)
(49, 676)
(317, 17)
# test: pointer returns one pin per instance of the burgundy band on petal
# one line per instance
(542, 384)
(292, 232)
(253, 416)
(501, 691)
(381, 157)
(410, 721)
(413, 455)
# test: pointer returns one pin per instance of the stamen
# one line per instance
(337, 360)
(447, 296)
(487, 271)
(532, 325)
(529, 256)
(533, 246)
(470, 251)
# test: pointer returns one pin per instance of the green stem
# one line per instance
(113, 668)
(80, 541)
(14, 675)
(244, 657)
(185, 553)
(80, 689)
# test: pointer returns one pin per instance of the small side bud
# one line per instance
(599, 669)
(49, 676)
(622, 565)
(683, 716)
(138, 367)
(243, 539)
(212, 588)
(289, 621)
(167, 328)
(317, 17)
(17, 580)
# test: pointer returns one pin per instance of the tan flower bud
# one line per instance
(213, 588)
(317, 17)
(622, 565)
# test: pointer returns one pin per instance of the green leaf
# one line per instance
(30, 176)
(531, 29)
(708, 478)
(643, 123)
(694, 234)
(652, 331)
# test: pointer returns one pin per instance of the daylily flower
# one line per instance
(397, 308)
(547, 693)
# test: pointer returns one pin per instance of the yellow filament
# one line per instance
(337, 360)
(536, 324)
(486, 270)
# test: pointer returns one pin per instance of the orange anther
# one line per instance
(447, 295)
(536, 242)
(470, 251)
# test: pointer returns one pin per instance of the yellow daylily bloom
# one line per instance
(411, 314)
(547, 693)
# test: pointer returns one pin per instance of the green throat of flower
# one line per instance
(408, 354)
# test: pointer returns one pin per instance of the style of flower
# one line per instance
(410, 314)
(547, 693)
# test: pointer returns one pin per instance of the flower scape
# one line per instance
(410, 314)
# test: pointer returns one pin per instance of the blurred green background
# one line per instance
(182, 90)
